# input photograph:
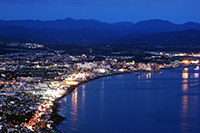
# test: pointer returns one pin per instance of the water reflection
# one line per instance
(184, 114)
(102, 97)
(185, 73)
(102, 84)
(178, 108)
(191, 84)
(196, 75)
(184, 101)
(184, 106)
(185, 80)
(184, 87)
(83, 95)
(119, 76)
(196, 68)
(148, 75)
(74, 104)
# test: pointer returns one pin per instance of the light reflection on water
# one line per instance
(185, 73)
(185, 87)
(148, 75)
(102, 96)
(189, 105)
(196, 75)
(141, 104)
(185, 80)
(83, 96)
(196, 68)
(184, 111)
(184, 107)
(65, 99)
(74, 102)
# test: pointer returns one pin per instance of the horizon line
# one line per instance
(126, 21)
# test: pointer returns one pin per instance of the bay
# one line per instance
(148, 103)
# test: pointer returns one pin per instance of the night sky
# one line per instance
(176, 11)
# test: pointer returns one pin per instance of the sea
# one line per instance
(130, 103)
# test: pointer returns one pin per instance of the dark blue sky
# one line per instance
(177, 11)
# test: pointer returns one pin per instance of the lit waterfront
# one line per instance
(130, 103)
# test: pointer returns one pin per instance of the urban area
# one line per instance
(33, 82)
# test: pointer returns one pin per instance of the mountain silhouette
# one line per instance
(186, 37)
(93, 31)
(148, 26)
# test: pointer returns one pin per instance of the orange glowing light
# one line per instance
(71, 82)
(185, 75)
(121, 70)
(186, 61)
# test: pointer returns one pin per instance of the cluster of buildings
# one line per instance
(28, 108)
(16, 109)
(30, 82)
(26, 45)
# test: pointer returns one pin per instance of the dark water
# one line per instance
(149, 103)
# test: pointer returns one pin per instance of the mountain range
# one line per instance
(93, 31)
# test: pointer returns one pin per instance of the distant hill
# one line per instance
(69, 35)
(189, 37)
(92, 31)
(186, 37)
(149, 26)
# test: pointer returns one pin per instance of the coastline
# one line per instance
(57, 105)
